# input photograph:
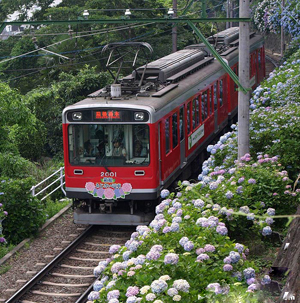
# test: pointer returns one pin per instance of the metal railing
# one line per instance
(59, 179)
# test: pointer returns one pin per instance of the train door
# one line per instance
(182, 137)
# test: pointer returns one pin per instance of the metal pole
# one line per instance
(282, 46)
(244, 79)
(228, 13)
(174, 28)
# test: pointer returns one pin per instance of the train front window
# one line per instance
(108, 144)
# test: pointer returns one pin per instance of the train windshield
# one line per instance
(109, 145)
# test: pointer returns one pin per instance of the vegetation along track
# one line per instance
(69, 276)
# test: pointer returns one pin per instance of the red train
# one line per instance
(127, 141)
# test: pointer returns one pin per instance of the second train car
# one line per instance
(126, 142)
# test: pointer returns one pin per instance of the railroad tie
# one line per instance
(65, 285)
(53, 294)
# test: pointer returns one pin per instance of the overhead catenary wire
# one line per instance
(70, 38)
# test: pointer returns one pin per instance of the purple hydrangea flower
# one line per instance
(183, 240)
(227, 267)
(252, 287)
(222, 230)
(132, 291)
(114, 249)
(94, 295)
(199, 203)
(202, 257)
(240, 247)
(113, 294)
(209, 248)
(188, 246)
(251, 181)
(171, 258)
(227, 260)
(229, 194)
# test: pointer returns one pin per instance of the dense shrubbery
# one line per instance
(25, 212)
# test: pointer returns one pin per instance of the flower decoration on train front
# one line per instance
(108, 188)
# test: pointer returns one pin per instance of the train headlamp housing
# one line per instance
(77, 116)
(139, 116)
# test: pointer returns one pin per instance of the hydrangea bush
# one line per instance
(3, 215)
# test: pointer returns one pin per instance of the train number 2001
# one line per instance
(108, 174)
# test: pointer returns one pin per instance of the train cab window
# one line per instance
(181, 121)
(167, 135)
(215, 96)
(221, 92)
(188, 118)
(204, 103)
(109, 144)
(175, 130)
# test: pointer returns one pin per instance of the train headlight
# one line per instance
(77, 116)
(139, 116)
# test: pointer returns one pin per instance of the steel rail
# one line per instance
(40, 275)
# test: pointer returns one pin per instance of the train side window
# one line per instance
(196, 119)
(204, 105)
(216, 96)
(175, 130)
(211, 98)
(167, 134)
(221, 92)
(181, 121)
(188, 118)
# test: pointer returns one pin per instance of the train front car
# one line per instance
(108, 151)
(127, 141)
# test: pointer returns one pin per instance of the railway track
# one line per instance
(68, 277)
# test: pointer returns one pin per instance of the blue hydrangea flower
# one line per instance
(164, 193)
(249, 273)
(267, 231)
(234, 256)
(266, 280)
(159, 286)
(271, 211)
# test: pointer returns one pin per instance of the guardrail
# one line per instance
(59, 179)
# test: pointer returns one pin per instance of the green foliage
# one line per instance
(20, 131)
(15, 166)
(25, 213)
(53, 207)
(48, 103)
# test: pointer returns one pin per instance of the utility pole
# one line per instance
(228, 13)
(174, 28)
(244, 79)
(282, 45)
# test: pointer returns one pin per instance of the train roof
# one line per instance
(178, 75)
